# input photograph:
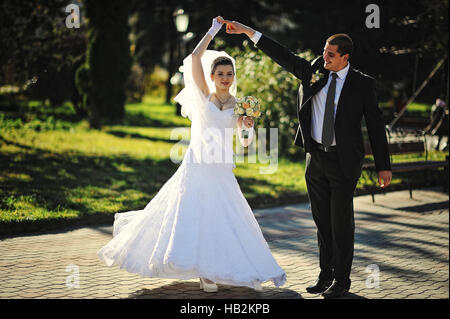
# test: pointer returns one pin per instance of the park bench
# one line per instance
(415, 144)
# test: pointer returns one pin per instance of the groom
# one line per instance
(330, 114)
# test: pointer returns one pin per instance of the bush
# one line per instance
(155, 82)
(83, 83)
(135, 84)
(277, 89)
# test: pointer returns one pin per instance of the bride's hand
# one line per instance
(221, 20)
(216, 26)
(249, 122)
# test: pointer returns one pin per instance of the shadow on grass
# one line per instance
(66, 113)
(258, 200)
(42, 113)
(51, 179)
(56, 182)
(143, 137)
(140, 119)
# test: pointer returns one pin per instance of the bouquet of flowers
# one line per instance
(247, 106)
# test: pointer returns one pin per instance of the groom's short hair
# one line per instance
(344, 43)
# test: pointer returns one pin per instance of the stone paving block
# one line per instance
(410, 247)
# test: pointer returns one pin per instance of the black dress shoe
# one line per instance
(319, 286)
(335, 291)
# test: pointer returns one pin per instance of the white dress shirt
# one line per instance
(255, 38)
(319, 100)
(318, 104)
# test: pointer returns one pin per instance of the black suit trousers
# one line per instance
(331, 197)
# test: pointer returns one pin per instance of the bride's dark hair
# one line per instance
(221, 61)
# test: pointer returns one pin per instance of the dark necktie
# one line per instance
(328, 118)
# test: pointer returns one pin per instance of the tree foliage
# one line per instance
(412, 37)
(259, 76)
(39, 53)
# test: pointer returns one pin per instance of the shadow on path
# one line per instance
(191, 290)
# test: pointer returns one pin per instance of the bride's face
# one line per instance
(223, 76)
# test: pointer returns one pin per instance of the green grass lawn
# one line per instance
(415, 107)
(54, 167)
(61, 169)
(420, 107)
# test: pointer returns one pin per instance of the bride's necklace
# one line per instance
(222, 103)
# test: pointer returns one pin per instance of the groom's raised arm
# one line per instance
(292, 63)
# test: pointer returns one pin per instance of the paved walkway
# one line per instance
(401, 251)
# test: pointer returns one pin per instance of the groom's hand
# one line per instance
(234, 27)
(384, 178)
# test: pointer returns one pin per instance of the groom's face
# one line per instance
(333, 60)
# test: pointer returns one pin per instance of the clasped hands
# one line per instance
(232, 26)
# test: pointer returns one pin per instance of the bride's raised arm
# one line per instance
(197, 69)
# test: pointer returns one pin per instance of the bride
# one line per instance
(199, 225)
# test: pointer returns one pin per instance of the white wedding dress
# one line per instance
(198, 225)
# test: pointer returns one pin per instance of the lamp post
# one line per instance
(181, 21)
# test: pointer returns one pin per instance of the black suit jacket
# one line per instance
(357, 99)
